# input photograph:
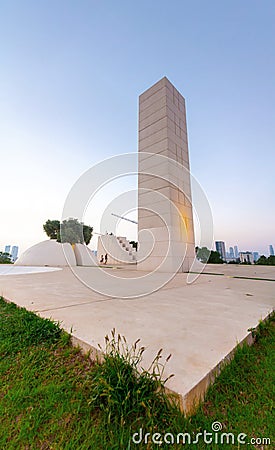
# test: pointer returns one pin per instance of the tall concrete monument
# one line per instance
(165, 217)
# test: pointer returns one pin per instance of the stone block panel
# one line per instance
(155, 97)
(153, 128)
(153, 89)
(146, 119)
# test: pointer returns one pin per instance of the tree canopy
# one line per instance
(264, 261)
(203, 254)
(208, 256)
(70, 230)
(215, 258)
(52, 229)
(5, 258)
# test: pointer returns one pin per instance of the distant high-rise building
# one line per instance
(271, 250)
(236, 251)
(7, 249)
(220, 248)
(231, 253)
(256, 256)
(246, 257)
(14, 252)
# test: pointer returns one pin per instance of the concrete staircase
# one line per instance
(118, 249)
(125, 244)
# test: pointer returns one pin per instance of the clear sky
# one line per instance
(70, 76)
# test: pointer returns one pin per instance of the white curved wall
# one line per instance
(47, 253)
(84, 256)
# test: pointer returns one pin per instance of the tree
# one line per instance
(87, 233)
(203, 254)
(5, 258)
(70, 230)
(52, 229)
(264, 261)
(208, 256)
(215, 258)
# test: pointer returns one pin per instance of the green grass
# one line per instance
(53, 397)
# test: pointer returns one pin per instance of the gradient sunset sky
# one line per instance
(70, 77)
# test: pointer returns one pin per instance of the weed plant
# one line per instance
(122, 389)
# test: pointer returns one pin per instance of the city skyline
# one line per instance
(257, 254)
(233, 253)
(71, 80)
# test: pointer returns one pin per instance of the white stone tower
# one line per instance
(165, 217)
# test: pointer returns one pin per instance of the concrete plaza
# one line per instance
(200, 324)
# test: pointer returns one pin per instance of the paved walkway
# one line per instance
(199, 323)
